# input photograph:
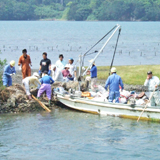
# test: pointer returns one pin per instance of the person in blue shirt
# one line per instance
(9, 70)
(113, 82)
(46, 82)
(93, 73)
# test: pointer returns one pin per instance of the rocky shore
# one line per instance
(14, 100)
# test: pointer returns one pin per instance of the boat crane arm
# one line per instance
(100, 51)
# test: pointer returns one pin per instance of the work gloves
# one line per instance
(12, 74)
(49, 72)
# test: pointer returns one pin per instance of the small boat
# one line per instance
(114, 109)
(103, 107)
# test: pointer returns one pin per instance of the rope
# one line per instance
(114, 51)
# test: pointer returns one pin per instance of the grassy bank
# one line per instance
(134, 75)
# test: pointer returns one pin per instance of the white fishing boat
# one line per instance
(103, 107)
(113, 109)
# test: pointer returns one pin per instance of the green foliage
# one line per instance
(80, 10)
(2, 64)
(47, 12)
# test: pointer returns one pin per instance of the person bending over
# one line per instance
(28, 81)
(46, 82)
(56, 74)
(9, 71)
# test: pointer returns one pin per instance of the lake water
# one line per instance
(139, 42)
(67, 134)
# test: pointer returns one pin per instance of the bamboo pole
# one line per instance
(42, 105)
(146, 105)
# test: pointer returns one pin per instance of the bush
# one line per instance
(2, 64)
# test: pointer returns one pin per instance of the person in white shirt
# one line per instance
(72, 69)
(152, 83)
(60, 64)
(56, 74)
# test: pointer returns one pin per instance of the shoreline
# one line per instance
(65, 20)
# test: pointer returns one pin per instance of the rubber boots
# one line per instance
(49, 102)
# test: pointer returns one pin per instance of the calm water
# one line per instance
(74, 38)
(66, 134)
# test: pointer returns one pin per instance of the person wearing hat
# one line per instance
(25, 64)
(45, 65)
(28, 81)
(66, 74)
(114, 81)
(60, 64)
(9, 71)
(56, 74)
(152, 83)
(46, 82)
(72, 69)
(93, 73)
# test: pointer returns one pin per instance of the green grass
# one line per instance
(134, 75)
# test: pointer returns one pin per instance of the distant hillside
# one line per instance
(80, 10)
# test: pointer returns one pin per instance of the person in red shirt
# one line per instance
(66, 74)
(25, 64)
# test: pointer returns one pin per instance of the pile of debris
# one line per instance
(13, 99)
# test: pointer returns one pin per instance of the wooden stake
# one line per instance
(146, 105)
(42, 105)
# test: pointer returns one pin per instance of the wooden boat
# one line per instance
(113, 109)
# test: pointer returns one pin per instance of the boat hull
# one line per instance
(113, 109)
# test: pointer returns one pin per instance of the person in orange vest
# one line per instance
(25, 64)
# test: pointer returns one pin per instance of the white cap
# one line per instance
(67, 66)
(35, 74)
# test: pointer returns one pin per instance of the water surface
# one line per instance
(138, 44)
(66, 134)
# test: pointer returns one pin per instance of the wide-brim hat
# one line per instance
(92, 61)
(113, 70)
